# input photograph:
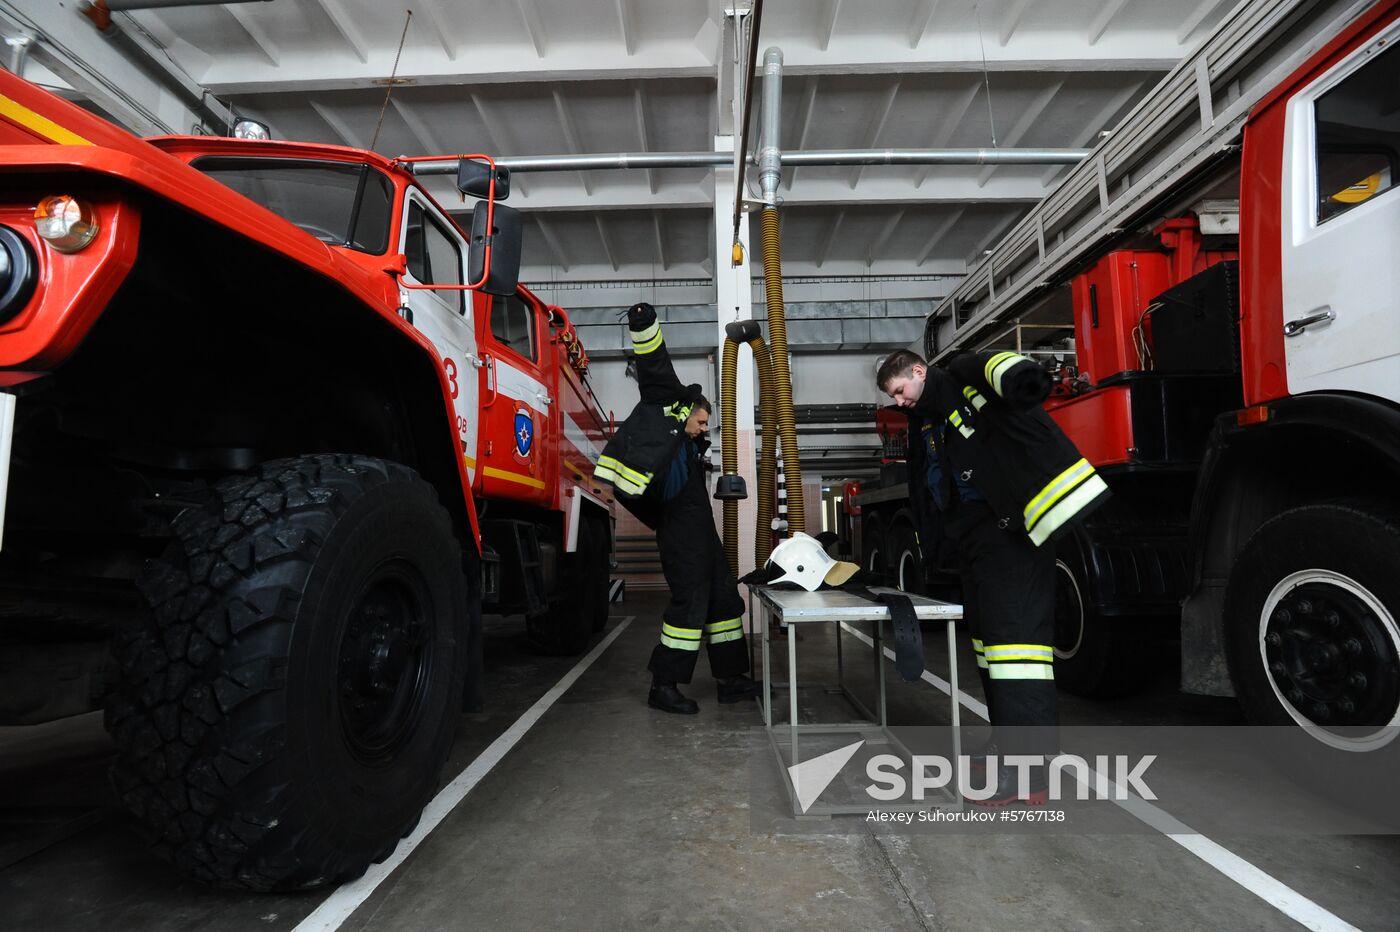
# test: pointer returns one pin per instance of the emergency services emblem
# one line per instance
(524, 433)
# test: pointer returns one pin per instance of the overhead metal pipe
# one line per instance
(117, 6)
(934, 157)
(616, 160)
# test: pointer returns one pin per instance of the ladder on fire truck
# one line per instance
(1190, 121)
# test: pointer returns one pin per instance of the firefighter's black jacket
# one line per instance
(981, 416)
(636, 458)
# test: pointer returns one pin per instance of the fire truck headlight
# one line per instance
(65, 222)
(251, 129)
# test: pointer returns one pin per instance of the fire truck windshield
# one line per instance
(339, 203)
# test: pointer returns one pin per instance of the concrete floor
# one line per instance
(609, 815)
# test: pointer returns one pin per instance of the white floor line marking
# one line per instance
(347, 898)
(1274, 892)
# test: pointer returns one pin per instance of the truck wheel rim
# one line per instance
(1069, 614)
(907, 567)
(1330, 650)
(384, 660)
(872, 562)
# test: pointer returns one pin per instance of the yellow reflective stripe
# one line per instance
(40, 124)
(678, 644)
(688, 634)
(726, 625)
(606, 474)
(726, 636)
(977, 645)
(956, 418)
(1054, 490)
(644, 336)
(998, 366)
(1045, 649)
(647, 341)
(1070, 506)
(1002, 658)
(974, 396)
(613, 462)
(507, 476)
(1021, 671)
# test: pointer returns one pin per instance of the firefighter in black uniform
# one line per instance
(655, 462)
(1000, 482)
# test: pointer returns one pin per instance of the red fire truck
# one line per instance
(1216, 291)
(273, 430)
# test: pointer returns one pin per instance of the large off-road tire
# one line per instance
(1096, 656)
(283, 716)
(1312, 617)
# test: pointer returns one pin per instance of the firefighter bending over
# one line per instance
(1001, 481)
(656, 464)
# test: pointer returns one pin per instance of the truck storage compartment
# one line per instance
(1196, 324)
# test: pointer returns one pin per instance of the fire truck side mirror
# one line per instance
(474, 179)
(496, 249)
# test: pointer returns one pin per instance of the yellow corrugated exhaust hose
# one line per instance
(782, 378)
(728, 490)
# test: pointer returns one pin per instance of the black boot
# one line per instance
(1007, 791)
(732, 689)
(667, 698)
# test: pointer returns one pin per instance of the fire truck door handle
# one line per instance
(490, 365)
(1295, 327)
(544, 399)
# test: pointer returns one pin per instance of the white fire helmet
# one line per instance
(805, 562)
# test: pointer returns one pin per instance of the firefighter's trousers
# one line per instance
(705, 604)
(1009, 604)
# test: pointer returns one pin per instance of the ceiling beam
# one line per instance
(1098, 123)
(948, 124)
(423, 134)
(877, 126)
(534, 25)
(830, 240)
(922, 19)
(878, 244)
(1110, 9)
(605, 241)
(1198, 16)
(346, 135)
(249, 23)
(616, 191)
(804, 121)
(1028, 119)
(993, 237)
(640, 104)
(566, 125)
(938, 234)
(249, 72)
(561, 258)
(436, 21)
(628, 19)
(833, 12)
(347, 28)
(629, 191)
(660, 241)
(1013, 19)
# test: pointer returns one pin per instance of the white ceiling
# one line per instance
(539, 77)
